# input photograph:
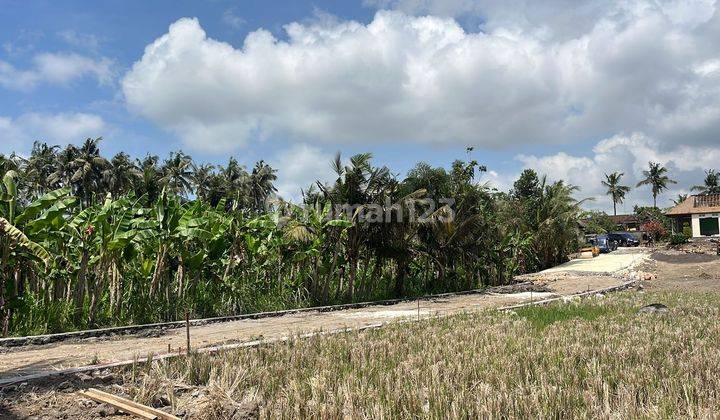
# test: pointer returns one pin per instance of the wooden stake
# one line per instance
(187, 331)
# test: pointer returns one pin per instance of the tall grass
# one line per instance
(614, 363)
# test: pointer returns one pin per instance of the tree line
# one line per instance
(656, 177)
(88, 241)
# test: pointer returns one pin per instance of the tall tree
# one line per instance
(527, 186)
(177, 174)
(64, 170)
(711, 184)
(614, 189)
(40, 165)
(88, 166)
(656, 177)
(121, 175)
(148, 184)
(202, 177)
(261, 184)
(236, 183)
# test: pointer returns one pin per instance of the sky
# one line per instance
(574, 89)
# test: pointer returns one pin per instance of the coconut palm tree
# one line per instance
(261, 184)
(656, 177)
(236, 183)
(88, 167)
(64, 170)
(201, 178)
(680, 198)
(177, 174)
(148, 184)
(711, 183)
(614, 189)
(121, 175)
(40, 165)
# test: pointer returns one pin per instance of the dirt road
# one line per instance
(21, 361)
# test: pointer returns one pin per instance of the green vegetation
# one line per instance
(657, 179)
(614, 189)
(540, 317)
(615, 363)
(711, 183)
(598, 222)
(88, 241)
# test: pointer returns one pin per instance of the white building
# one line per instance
(700, 213)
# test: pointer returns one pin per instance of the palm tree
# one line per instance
(711, 183)
(121, 174)
(656, 178)
(177, 174)
(149, 182)
(261, 184)
(88, 166)
(62, 176)
(40, 166)
(201, 178)
(614, 189)
(680, 198)
(236, 183)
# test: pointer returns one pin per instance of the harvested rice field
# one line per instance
(598, 357)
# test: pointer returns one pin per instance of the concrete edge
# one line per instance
(133, 329)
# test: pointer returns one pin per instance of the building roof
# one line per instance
(697, 204)
(624, 219)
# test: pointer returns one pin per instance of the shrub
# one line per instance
(687, 230)
(678, 239)
(655, 230)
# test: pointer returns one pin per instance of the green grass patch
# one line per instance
(541, 317)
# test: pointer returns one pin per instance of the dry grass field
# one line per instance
(596, 358)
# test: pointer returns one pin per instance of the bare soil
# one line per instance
(681, 271)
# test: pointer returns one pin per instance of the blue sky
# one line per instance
(572, 89)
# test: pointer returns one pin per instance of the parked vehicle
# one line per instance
(624, 238)
(604, 243)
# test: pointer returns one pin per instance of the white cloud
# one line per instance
(635, 66)
(231, 19)
(18, 133)
(55, 68)
(551, 19)
(629, 154)
(299, 167)
(85, 41)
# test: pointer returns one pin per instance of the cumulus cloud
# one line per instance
(550, 19)
(55, 68)
(629, 154)
(401, 77)
(299, 167)
(18, 133)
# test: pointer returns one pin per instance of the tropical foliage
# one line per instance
(614, 189)
(711, 183)
(89, 241)
(656, 177)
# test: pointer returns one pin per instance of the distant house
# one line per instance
(623, 222)
(701, 213)
(626, 222)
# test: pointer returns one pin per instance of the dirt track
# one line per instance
(34, 359)
(27, 360)
(674, 271)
